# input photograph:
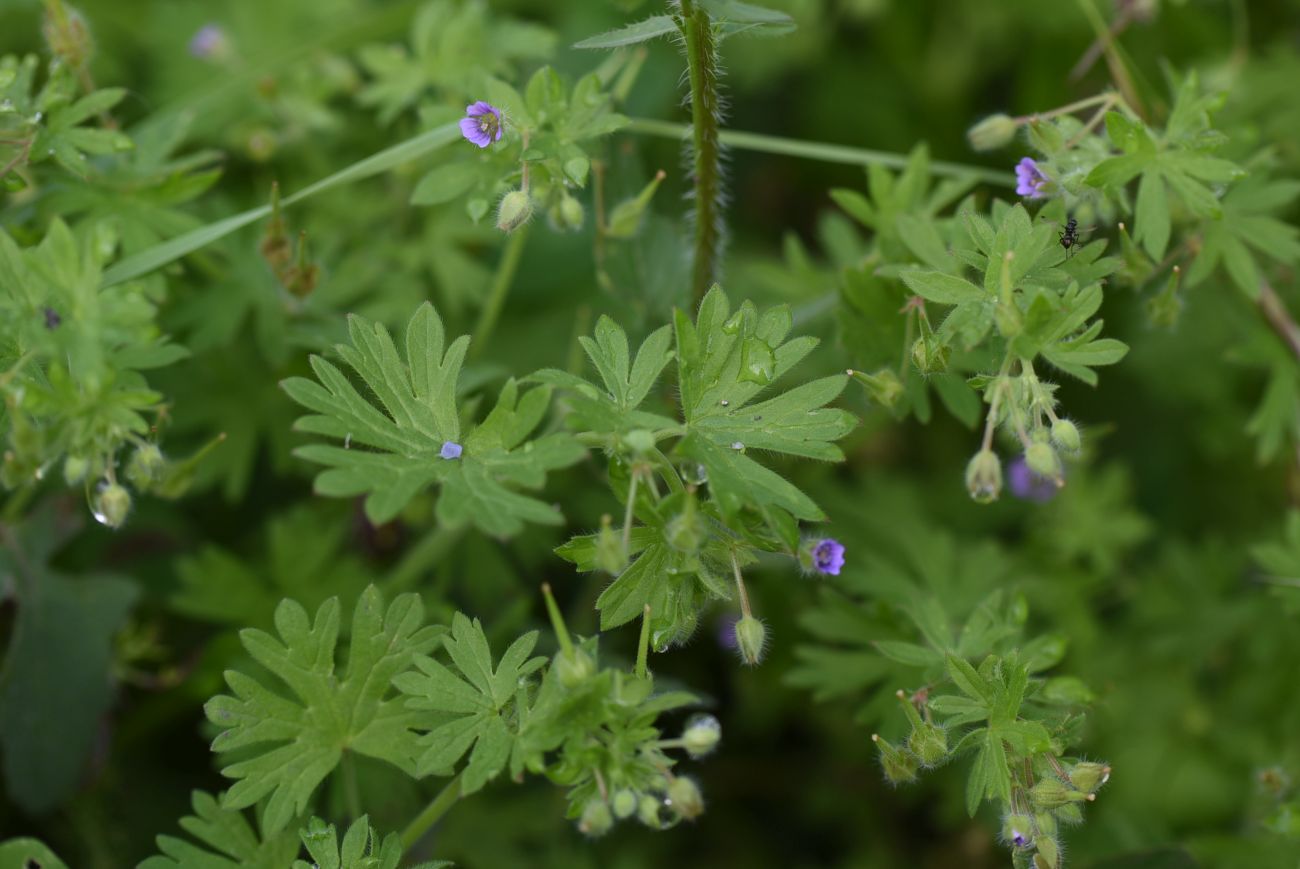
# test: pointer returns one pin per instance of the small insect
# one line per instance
(1070, 236)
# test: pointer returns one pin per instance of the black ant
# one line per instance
(1070, 236)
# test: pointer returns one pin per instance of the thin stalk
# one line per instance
(740, 587)
(1067, 109)
(628, 511)
(505, 276)
(706, 111)
(445, 799)
(643, 645)
(1275, 312)
(351, 790)
(825, 152)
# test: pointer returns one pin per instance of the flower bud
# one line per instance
(883, 387)
(1088, 776)
(112, 504)
(1046, 823)
(930, 356)
(685, 798)
(566, 215)
(145, 466)
(596, 819)
(625, 218)
(1070, 813)
(686, 531)
(751, 639)
(1051, 793)
(900, 766)
(984, 476)
(574, 669)
(1065, 435)
(1043, 460)
(1018, 830)
(75, 469)
(515, 210)
(929, 743)
(640, 441)
(701, 736)
(995, 131)
(611, 557)
(67, 35)
(650, 811)
(1049, 853)
(625, 803)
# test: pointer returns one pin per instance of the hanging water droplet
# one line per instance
(757, 362)
(694, 474)
(732, 326)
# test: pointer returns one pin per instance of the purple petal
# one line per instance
(828, 556)
(1028, 486)
(470, 129)
(451, 450)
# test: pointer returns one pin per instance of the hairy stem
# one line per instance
(445, 799)
(706, 112)
(501, 283)
(1274, 310)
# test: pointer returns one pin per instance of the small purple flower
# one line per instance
(1030, 179)
(209, 43)
(828, 556)
(1028, 486)
(1019, 839)
(727, 631)
(451, 450)
(483, 125)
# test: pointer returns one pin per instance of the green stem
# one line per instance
(643, 645)
(823, 151)
(706, 111)
(351, 789)
(501, 283)
(445, 799)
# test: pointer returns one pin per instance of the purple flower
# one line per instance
(1029, 179)
(483, 125)
(1028, 486)
(1019, 839)
(828, 556)
(209, 43)
(451, 450)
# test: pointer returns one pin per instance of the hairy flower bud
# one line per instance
(1065, 435)
(701, 736)
(625, 803)
(1088, 776)
(566, 215)
(112, 504)
(1049, 853)
(67, 35)
(929, 743)
(596, 818)
(640, 441)
(884, 387)
(515, 210)
(75, 469)
(984, 476)
(899, 765)
(145, 466)
(1018, 830)
(995, 131)
(574, 669)
(685, 799)
(930, 356)
(1043, 460)
(751, 638)
(611, 557)
(651, 812)
(1051, 793)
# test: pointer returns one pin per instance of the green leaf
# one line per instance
(909, 653)
(361, 847)
(443, 184)
(632, 34)
(228, 841)
(1152, 214)
(289, 744)
(31, 854)
(969, 681)
(943, 288)
(469, 707)
(393, 453)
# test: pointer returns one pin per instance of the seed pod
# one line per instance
(929, 743)
(625, 803)
(145, 466)
(1052, 793)
(702, 734)
(751, 639)
(596, 819)
(685, 799)
(900, 766)
(1088, 776)
(112, 504)
(995, 131)
(1065, 435)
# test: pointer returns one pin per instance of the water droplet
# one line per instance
(732, 326)
(757, 362)
(758, 418)
(694, 474)
(724, 402)
(347, 442)
(737, 445)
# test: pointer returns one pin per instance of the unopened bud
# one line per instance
(68, 35)
(1051, 793)
(112, 504)
(930, 356)
(1018, 830)
(1088, 776)
(684, 798)
(651, 811)
(984, 476)
(75, 469)
(1043, 460)
(995, 131)
(566, 215)
(1049, 853)
(640, 441)
(883, 387)
(687, 530)
(702, 734)
(515, 210)
(625, 803)
(751, 640)
(929, 743)
(611, 557)
(596, 819)
(574, 669)
(899, 765)
(145, 466)
(1065, 435)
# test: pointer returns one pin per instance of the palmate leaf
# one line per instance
(362, 848)
(475, 708)
(724, 360)
(228, 841)
(297, 740)
(393, 453)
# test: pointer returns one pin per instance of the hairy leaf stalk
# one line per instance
(706, 146)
